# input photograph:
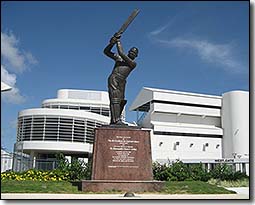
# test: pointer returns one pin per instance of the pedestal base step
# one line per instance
(120, 185)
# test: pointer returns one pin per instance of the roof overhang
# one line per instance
(148, 95)
(5, 87)
(142, 101)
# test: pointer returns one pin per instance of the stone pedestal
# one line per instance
(121, 161)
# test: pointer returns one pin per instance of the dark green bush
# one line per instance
(178, 171)
(225, 172)
(198, 173)
(160, 172)
(77, 169)
(240, 175)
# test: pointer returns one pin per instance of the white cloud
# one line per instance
(19, 60)
(12, 96)
(213, 53)
(169, 24)
(13, 123)
(15, 60)
(220, 54)
(30, 58)
(160, 30)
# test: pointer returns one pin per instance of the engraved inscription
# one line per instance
(123, 149)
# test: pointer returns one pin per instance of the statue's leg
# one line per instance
(113, 96)
(123, 102)
(116, 95)
(112, 113)
(122, 105)
(115, 110)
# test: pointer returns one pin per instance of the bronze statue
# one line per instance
(124, 64)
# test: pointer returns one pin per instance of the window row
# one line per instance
(77, 130)
(98, 110)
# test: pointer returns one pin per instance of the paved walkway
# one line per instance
(239, 190)
(118, 196)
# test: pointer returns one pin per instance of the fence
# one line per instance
(22, 163)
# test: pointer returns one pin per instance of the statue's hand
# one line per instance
(113, 40)
(117, 35)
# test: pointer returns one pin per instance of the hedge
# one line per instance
(178, 171)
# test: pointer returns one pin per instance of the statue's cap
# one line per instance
(134, 49)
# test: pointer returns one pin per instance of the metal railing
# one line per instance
(24, 163)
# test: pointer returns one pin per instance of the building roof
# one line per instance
(80, 97)
(5, 87)
(147, 95)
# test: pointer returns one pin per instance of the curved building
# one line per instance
(65, 124)
(235, 120)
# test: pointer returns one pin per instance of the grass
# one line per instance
(238, 183)
(28, 186)
(193, 187)
(63, 187)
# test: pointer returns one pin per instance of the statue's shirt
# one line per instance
(122, 68)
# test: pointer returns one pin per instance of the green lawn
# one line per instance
(193, 187)
(184, 187)
(12, 186)
(237, 183)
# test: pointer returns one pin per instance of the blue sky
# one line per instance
(200, 47)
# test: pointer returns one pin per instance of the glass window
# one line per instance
(55, 106)
(84, 108)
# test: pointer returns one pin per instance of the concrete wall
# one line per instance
(166, 147)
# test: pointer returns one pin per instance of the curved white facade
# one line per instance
(65, 124)
(235, 120)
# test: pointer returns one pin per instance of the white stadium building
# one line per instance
(195, 127)
(186, 126)
(65, 124)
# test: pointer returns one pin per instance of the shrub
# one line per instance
(240, 175)
(198, 173)
(222, 172)
(161, 172)
(225, 172)
(77, 169)
(178, 171)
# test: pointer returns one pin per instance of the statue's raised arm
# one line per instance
(108, 49)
